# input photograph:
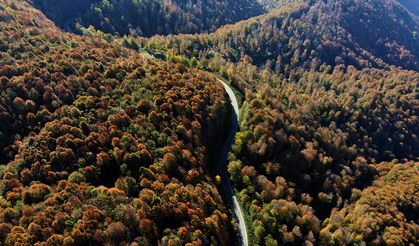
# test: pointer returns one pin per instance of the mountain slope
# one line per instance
(324, 105)
(149, 17)
(272, 4)
(317, 35)
(307, 142)
(381, 214)
(105, 146)
(101, 145)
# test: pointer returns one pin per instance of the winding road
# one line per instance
(223, 167)
(223, 158)
(232, 200)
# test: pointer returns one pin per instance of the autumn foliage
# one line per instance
(101, 145)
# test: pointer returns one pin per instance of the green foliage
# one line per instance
(76, 177)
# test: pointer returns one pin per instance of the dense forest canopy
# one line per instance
(273, 4)
(317, 36)
(109, 136)
(384, 213)
(101, 145)
(323, 105)
(149, 17)
(313, 141)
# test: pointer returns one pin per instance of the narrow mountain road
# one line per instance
(223, 158)
(223, 167)
(223, 163)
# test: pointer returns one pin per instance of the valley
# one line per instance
(213, 122)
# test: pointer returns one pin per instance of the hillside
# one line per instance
(387, 204)
(273, 4)
(101, 145)
(305, 144)
(324, 105)
(311, 36)
(116, 140)
(149, 17)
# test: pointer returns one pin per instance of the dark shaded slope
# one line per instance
(272, 4)
(149, 17)
(382, 28)
(411, 5)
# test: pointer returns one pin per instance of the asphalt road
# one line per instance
(223, 167)
(223, 159)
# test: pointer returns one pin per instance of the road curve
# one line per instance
(223, 158)
(232, 200)
(223, 167)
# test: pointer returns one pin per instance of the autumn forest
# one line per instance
(209, 122)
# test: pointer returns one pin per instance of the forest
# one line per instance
(111, 134)
(103, 145)
(308, 146)
(149, 17)
(302, 36)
